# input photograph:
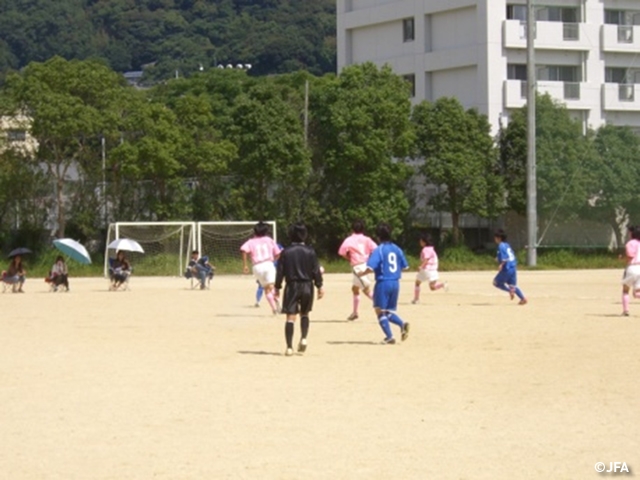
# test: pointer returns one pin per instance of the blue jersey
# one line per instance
(505, 254)
(387, 262)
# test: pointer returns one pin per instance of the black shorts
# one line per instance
(298, 298)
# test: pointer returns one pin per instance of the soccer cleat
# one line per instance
(302, 346)
(389, 341)
(512, 293)
(275, 312)
(625, 314)
(522, 302)
(405, 331)
(257, 305)
(414, 301)
(288, 352)
(353, 316)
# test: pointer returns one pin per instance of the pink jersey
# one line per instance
(356, 248)
(261, 249)
(429, 259)
(633, 252)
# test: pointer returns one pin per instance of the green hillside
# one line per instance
(275, 36)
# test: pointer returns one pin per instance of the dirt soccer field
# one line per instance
(164, 382)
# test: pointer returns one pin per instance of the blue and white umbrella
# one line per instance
(73, 249)
(126, 244)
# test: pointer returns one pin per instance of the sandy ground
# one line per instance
(164, 382)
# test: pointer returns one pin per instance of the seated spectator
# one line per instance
(200, 268)
(59, 275)
(119, 270)
(15, 274)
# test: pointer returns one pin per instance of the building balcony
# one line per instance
(621, 97)
(575, 95)
(550, 35)
(621, 38)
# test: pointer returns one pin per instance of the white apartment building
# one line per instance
(587, 52)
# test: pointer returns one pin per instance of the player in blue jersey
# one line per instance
(506, 279)
(387, 262)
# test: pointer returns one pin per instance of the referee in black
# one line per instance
(298, 265)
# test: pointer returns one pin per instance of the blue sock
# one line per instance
(519, 293)
(384, 324)
(259, 293)
(395, 319)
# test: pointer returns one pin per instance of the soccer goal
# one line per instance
(167, 246)
(221, 242)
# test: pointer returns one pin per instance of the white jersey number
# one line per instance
(393, 262)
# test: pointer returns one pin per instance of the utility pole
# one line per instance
(532, 212)
(104, 180)
(306, 112)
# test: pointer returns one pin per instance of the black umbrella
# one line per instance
(19, 251)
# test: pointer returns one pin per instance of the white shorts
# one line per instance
(362, 282)
(265, 273)
(427, 276)
(631, 277)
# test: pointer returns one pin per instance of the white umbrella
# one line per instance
(126, 244)
(74, 249)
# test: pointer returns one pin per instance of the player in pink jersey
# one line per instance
(356, 248)
(428, 269)
(263, 251)
(631, 278)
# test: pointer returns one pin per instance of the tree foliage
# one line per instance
(275, 36)
(360, 135)
(459, 154)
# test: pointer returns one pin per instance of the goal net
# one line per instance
(221, 242)
(167, 246)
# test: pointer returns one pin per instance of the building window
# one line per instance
(558, 14)
(615, 75)
(411, 80)
(516, 72)
(517, 12)
(16, 135)
(614, 17)
(556, 73)
(408, 29)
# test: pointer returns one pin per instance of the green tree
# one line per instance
(562, 153)
(273, 162)
(615, 173)
(70, 105)
(360, 134)
(459, 154)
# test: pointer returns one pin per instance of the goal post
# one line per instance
(167, 246)
(221, 242)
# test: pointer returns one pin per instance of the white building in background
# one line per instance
(14, 133)
(587, 52)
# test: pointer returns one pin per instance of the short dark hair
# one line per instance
(298, 232)
(383, 231)
(635, 232)
(261, 229)
(358, 225)
(427, 239)
(195, 252)
(501, 234)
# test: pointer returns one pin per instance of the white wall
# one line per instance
(453, 29)
(379, 42)
(458, 82)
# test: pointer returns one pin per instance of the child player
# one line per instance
(506, 279)
(298, 265)
(428, 270)
(387, 262)
(631, 278)
(356, 248)
(263, 251)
